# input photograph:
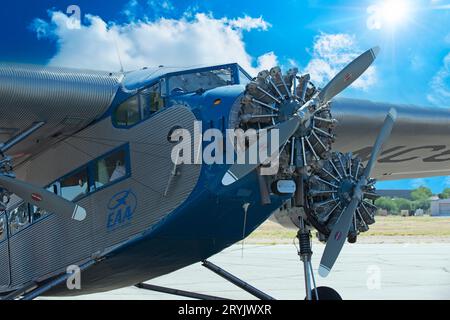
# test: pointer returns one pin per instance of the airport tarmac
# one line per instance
(363, 271)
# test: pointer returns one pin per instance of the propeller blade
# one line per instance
(42, 198)
(238, 171)
(384, 134)
(348, 75)
(337, 238)
(340, 230)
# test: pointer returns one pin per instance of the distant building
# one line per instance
(404, 213)
(440, 207)
(406, 194)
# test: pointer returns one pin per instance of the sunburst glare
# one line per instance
(388, 14)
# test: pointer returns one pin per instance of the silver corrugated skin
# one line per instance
(66, 99)
(53, 243)
(4, 263)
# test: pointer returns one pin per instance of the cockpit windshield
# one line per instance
(206, 80)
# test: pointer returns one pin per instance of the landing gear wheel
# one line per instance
(325, 293)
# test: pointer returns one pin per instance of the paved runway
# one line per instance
(363, 271)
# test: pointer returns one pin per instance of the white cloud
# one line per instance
(136, 10)
(41, 27)
(267, 61)
(248, 23)
(330, 54)
(199, 40)
(440, 85)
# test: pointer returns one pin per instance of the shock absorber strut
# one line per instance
(305, 253)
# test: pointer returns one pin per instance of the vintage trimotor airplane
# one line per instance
(87, 177)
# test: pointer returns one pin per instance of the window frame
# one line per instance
(161, 82)
(72, 173)
(93, 168)
(234, 75)
(245, 73)
(127, 101)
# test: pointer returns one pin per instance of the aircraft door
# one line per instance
(5, 277)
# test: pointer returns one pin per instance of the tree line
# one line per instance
(420, 199)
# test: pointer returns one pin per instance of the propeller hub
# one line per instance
(346, 190)
(287, 108)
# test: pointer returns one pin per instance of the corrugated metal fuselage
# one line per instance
(192, 221)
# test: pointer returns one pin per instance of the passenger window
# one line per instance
(75, 186)
(37, 213)
(139, 107)
(19, 218)
(2, 227)
(110, 168)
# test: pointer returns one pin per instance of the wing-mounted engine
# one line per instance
(324, 181)
(272, 98)
(329, 191)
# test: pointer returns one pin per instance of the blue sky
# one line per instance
(413, 67)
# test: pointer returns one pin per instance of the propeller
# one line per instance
(340, 230)
(287, 128)
(42, 198)
(348, 75)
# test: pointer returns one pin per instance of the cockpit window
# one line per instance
(128, 113)
(206, 80)
(139, 107)
(244, 78)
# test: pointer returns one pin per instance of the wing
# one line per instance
(64, 100)
(419, 145)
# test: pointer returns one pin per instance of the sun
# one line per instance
(394, 12)
(388, 13)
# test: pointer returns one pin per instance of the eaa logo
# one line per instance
(121, 208)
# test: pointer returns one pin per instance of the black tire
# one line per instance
(326, 293)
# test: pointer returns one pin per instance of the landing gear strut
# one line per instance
(305, 252)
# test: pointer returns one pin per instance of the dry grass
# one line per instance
(385, 228)
(410, 226)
